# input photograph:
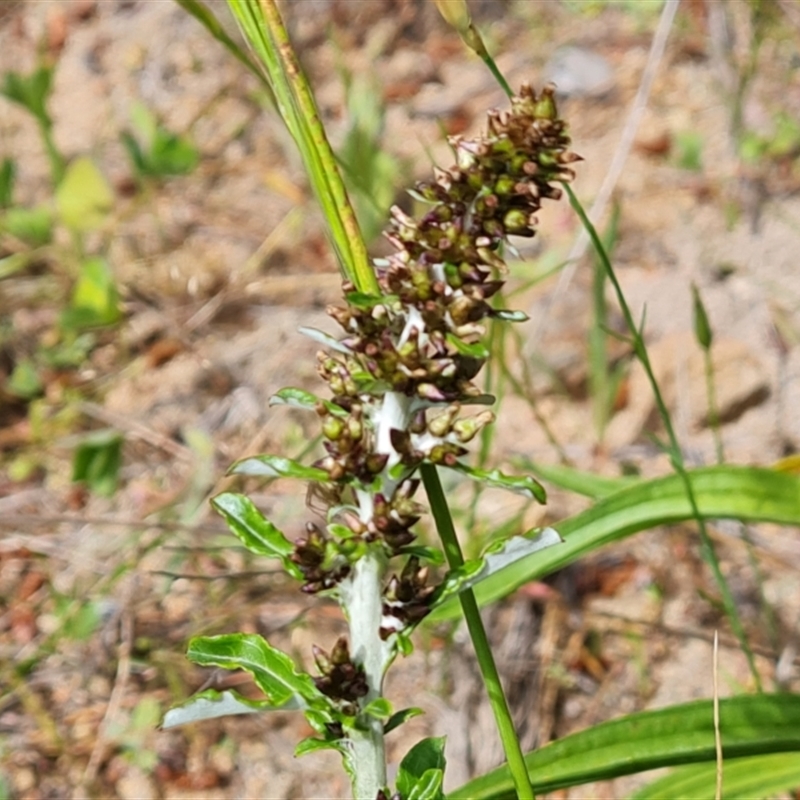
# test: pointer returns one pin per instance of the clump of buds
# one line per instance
(340, 678)
(406, 598)
(406, 364)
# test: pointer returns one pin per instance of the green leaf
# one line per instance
(135, 152)
(326, 340)
(14, 263)
(380, 708)
(423, 757)
(398, 718)
(155, 151)
(428, 786)
(523, 484)
(97, 461)
(83, 197)
(366, 302)
(95, 301)
(24, 380)
(432, 554)
(746, 493)
(574, 480)
(211, 704)
(497, 557)
(679, 735)
(277, 467)
(477, 350)
(254, 531)
(509, 316)
(702, 327)
(172, 154)
(34, 226)
(8, 172)
(273, 671)
(757, 776)
(314, 745)
(82, 624)
(30, 91)
(299, 398)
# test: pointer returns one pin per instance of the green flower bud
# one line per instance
(332, 428)
(702, 327)
(455, 13)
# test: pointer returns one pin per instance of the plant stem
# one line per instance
(676, 456)
(483, 651)
(713, 411)
(362, 598)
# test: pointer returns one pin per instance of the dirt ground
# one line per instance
(218, 269)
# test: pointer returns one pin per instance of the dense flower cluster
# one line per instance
(406, 363)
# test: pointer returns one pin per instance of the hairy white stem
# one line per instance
(361, 594)
(362, 600)
(394, 414)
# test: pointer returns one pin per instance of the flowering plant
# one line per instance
(399, 378)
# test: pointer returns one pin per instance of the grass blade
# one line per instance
(745, 493)
(757, 776)
(682, 734)
(263, 27)
(205, 16)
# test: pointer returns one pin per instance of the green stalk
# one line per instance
(713, 411)
(483, 651)
(676, 456)
(262, 24)
(57, 164)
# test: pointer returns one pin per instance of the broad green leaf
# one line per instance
(95, 301)
(747, 493)
(300, 398)
(424, 756)
(277, 467)
(519, 484)
(273, 671)
(498, 556)
(212, 704)
(428, 786)
(83, 197)
(756, 776)
(575, 480)
(678, 735)
(97, 462)
(254, 531)
(34, 226)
